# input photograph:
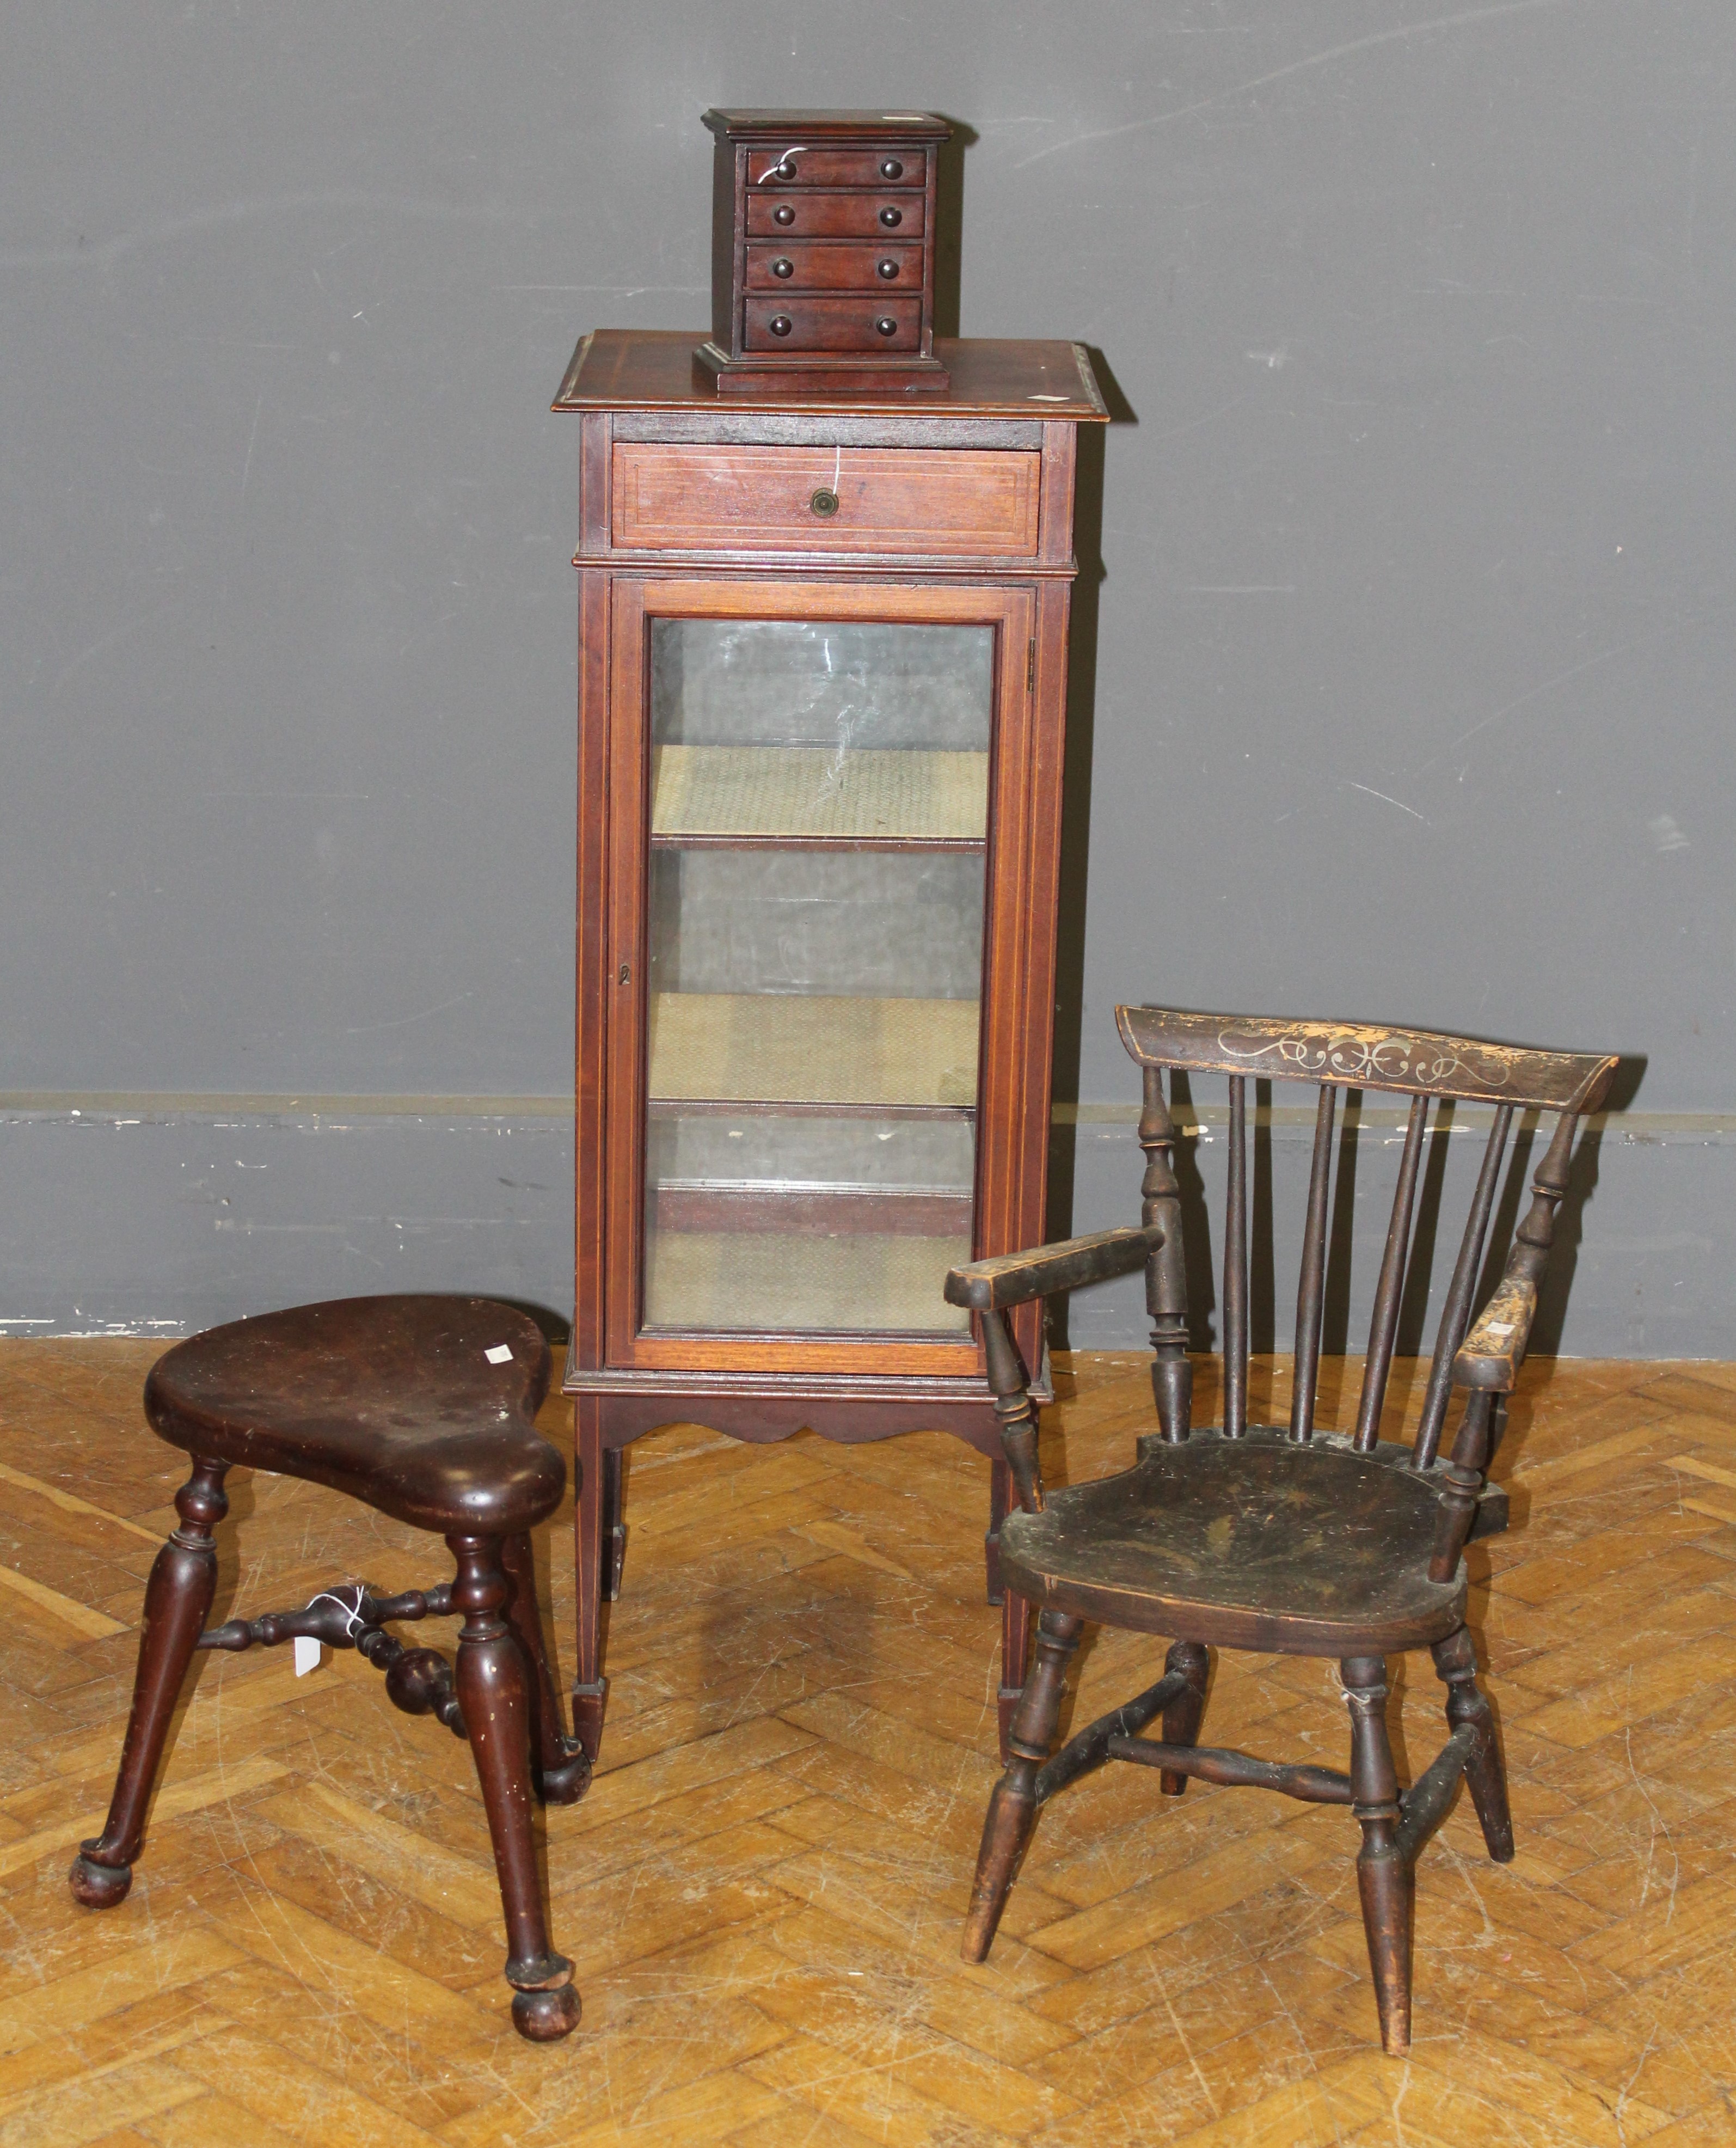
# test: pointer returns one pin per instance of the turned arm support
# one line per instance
(1487, 1364)
(989, 1286)
(1069, 1264)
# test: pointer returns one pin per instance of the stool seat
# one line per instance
(392, 1400)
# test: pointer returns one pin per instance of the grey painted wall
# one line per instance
(1412, 646)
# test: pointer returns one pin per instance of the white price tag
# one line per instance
(501, 1354)
(1502, 1326)
(307, 1654)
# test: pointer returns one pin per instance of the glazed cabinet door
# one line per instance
(817, 837)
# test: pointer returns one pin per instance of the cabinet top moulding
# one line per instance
(643, 370)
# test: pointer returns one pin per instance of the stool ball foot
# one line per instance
(99, 1886)
(545, 2017)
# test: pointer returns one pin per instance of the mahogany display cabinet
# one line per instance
(822, 685)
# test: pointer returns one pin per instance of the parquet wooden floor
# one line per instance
(763, 1890)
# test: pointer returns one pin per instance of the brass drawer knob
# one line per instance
(891, 168)
(891, 218)
(780, 325)
(783, 214)
(885, 270)
(783, 267)
(886, 325)
(824, 501)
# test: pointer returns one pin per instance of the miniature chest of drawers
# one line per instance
(822, 252)
(822, 685)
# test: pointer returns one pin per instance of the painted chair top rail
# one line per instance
(1417, 1062)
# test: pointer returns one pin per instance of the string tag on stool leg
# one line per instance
(307, 1651)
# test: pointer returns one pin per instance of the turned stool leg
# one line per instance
(178, 1601)
(492, 1679)
(1485, 1773)
(1384, 1878)
(1012, 1804)
(559, 1766)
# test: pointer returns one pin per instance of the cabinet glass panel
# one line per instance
(818, 822)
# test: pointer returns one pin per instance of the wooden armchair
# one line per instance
(1271, 1538)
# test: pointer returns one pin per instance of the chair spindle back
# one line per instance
(1427, 1068)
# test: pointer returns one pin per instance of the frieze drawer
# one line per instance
(930, 503)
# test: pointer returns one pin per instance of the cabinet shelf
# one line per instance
(859, 1283)
(814, 794)
(774, 1047)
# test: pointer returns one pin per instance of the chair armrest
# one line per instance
(1491, 1355)
(1016, 1279)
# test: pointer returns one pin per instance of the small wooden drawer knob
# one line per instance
(824, 501)
(886, 324)
(786, 171)
(887, 270)
(783, 214)
(891, 168)
(780, 325)
(891, 218)
(783, 268)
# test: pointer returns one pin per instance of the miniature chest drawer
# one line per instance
(835, 216)
(838, 168)
(832, 265)
(935, 502)
(801, 323)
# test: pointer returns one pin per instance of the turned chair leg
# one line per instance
(559, 1766)
(178, 1601)
(1485, 1771)
(1012, 1805)
(1384, 1877)
(1182, 1718)
(492, 1682)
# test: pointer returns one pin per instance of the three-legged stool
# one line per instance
(422, 1408)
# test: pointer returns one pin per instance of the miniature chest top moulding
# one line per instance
(822, 691)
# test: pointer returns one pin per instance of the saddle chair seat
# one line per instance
(423, 1408)
(1303, 1547)
(392, 1400)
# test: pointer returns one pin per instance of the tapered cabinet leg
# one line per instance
(590, 1686)
(1001, 1504)
(1485, 1772)
(1014, 1652)
(1183, 1718)
(178, 1602)
(1384, 1877)
(614, 1528)
(1012, 1804)
(560, 1767)
(492, 1692)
